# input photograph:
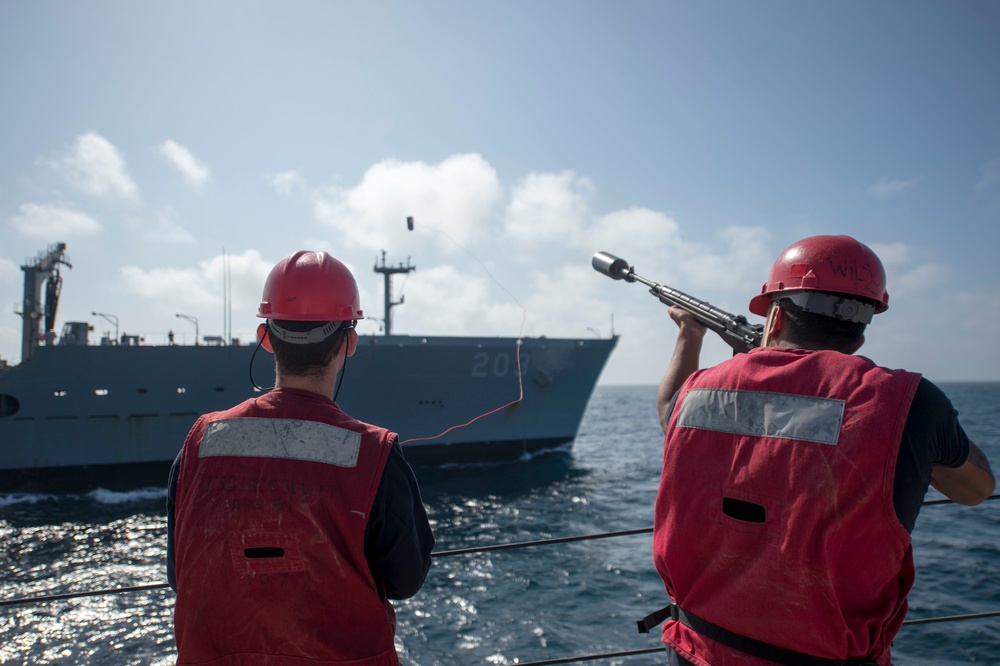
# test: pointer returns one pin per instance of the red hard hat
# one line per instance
(830, 264)
(310, 286)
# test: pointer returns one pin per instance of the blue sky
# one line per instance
(697, 140)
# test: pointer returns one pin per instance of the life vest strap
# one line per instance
(751, 646)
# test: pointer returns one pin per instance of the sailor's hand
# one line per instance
(686, 322)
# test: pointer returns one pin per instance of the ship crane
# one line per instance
(42, 270)
(387, 272)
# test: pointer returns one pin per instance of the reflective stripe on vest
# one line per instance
(285, 439)
(763, 414)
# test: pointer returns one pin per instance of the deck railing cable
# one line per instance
(505, 546)
(633, 653)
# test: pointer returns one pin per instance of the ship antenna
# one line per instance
(387, 272)
(227, 300)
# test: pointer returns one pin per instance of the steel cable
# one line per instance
(497, 547)
(443, 553)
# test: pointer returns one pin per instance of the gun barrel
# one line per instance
(734, 329)
(708, 311)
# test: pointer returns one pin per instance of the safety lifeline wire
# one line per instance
(511, 546)
(441, 553)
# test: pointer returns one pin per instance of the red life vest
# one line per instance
(775, 519)
(272, 502)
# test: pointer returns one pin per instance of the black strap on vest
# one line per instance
(778, 655)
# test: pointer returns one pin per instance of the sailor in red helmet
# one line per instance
(291, 524)
(793, 475)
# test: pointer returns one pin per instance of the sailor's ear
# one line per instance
(262, 337)
(773, 325)
(352, 341)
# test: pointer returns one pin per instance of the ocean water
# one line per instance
(543, 602)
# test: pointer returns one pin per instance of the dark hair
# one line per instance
(811, 330)
(306, 359)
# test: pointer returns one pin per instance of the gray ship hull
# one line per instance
(74, 418)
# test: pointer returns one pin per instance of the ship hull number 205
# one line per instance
(499, 364)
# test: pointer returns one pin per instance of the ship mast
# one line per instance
(387, 272)
(43, 268)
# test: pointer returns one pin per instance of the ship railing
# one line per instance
(495, 547)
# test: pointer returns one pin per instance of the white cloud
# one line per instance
(459, 197)
(449, 300)
(531, 245)
(646, 239)
(187, 288)
(247, 273)
(892, 255)
(654, 244)
(163, 285)
(906, 276)
(94, 166)
(534, 237)
(887, 187)
(168, 228)
(50, 222)
(745, 250)
(917, 280)
(286, 182)
(195, 172)
(565, 301)
(548, 208)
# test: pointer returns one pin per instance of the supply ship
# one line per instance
(76, 414)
